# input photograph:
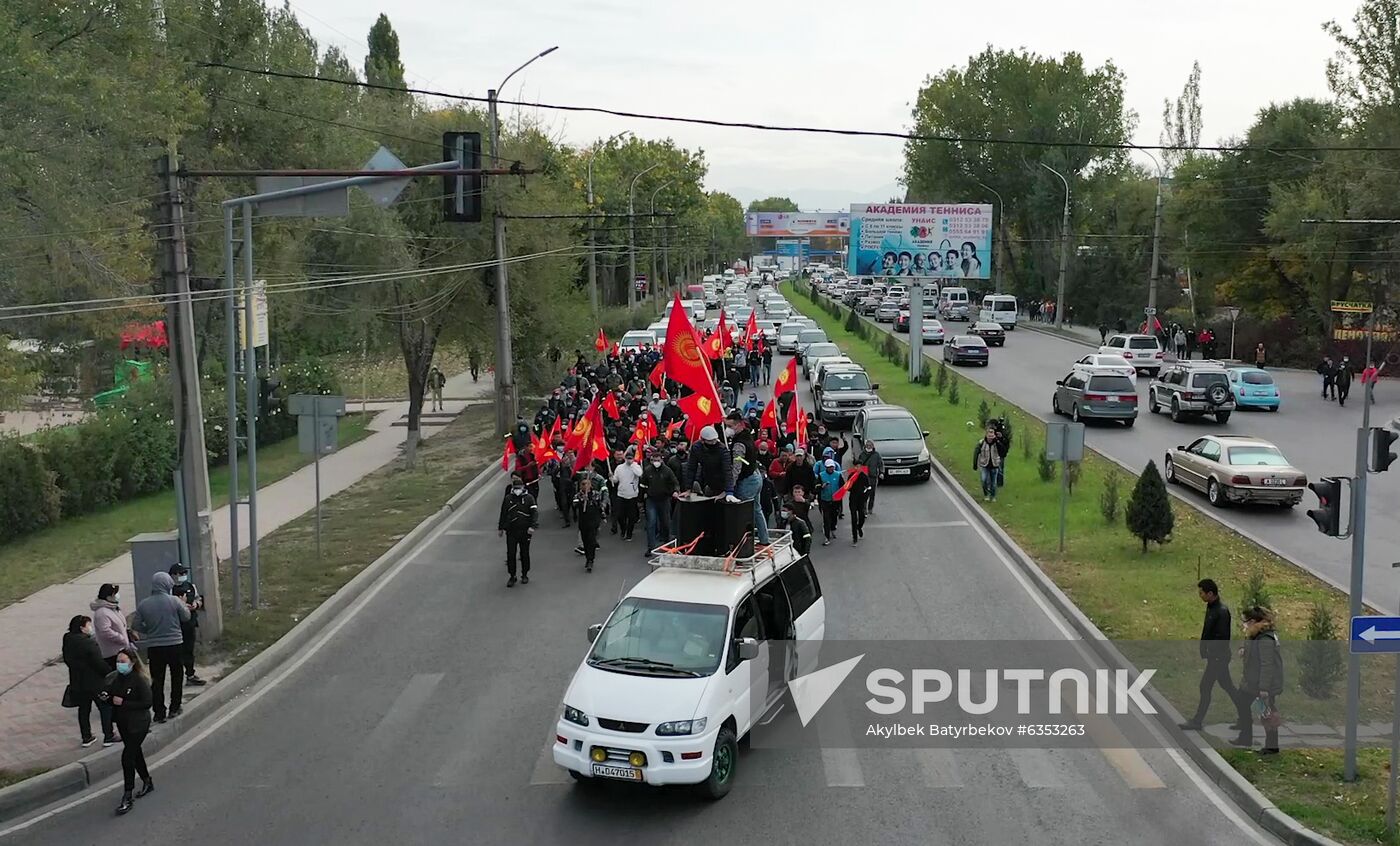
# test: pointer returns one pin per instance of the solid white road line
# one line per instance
(842, 768)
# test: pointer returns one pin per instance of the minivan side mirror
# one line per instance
(874, 386)
(748, 648)
(1180, 447)
(593, 631)
(925, 433)
(1059, 383)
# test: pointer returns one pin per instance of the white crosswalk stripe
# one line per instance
(1038, 769)
(939, 766)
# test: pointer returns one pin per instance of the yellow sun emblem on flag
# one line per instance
(783, 377)
(684, 346)
(704, 404)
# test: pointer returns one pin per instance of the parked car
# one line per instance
(899, 440)
(901, 323)
(1254, 388)
(966, 348)
(815, 366)
(931, 331)
(992, 333)
(1141, 351)
(1236, 469)
(1108, 363)
(815, 351)
(1086, 395)
(1191, 389)
(886, 311)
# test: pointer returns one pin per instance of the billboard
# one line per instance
(793, 247)
(797, 225)
(917, 239)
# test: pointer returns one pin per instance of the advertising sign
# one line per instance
(797, 225)
(916, 239)
(792, 247)
(258, 317)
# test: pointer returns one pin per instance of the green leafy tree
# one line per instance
(773, 204)
(1149, 509)
(383, 66)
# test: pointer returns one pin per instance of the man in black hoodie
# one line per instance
(1215, 649)
(520, 516)
(186, 592)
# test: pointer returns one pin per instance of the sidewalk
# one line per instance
(39, 732)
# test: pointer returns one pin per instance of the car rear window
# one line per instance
(1257, 378)
(846, 382)
(1260, 456)
(1142, 343)
(1205, 380)
(811, 336)
(1112, 384)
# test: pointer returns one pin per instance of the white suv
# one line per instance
(1143, 352)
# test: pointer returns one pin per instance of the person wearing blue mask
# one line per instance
(128, 691)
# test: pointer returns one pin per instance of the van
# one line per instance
(687, 663)
(999, 308)
(954, 304)
(695, 292)
(694, 308)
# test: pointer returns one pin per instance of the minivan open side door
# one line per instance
(804, 593)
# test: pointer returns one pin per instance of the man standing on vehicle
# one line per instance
(520, 516)
(1215, 649)
(748, 483)
(708, 469)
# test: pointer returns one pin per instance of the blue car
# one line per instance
(1254, 388)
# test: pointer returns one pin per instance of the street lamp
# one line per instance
(632, 237)
(1064, 252)
(665, 266)
(1001, 219)
(505, 371)
(592, 235)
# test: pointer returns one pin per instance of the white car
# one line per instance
(1106, 363)
(661, 698)
(1143, 352)
(814, 353)
(636, 339)
(932, 331)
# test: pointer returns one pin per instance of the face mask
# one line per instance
(87, 630)
(656, 464)
(729, 431)
(517, 491)
(123, 667)
(182, 579)
(787, 515)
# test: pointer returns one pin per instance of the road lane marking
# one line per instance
(842, 768)
(258, 692)
(940, 767)
(1133, 768)
(462, 532)
(947, 524)
(406, 705)
(1037, 768)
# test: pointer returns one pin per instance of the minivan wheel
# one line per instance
(1215, 494)
(1074, 413)
(1176, 411)
(1152, 402)
(724, 762)
(1055, 403)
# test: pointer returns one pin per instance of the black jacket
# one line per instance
(518, 513)
(1263, 665)
(133, 716)
(86, 669)
(801, 534)
(859, 492)
(744, 469)
(670, 414)
(659, 482)
(1215, 632)
(802, 474)
(709, 467)
(188, 594)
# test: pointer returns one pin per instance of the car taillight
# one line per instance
(1127, 354)
(1239, 480)
(1130, 399)
(1096, 397)
(1159, 353)
(1187, 395)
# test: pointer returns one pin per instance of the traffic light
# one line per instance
(1328, 514)
(461, 195)
(1382, 456)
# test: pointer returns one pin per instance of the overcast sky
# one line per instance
(848, 65)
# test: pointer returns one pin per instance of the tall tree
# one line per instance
(1181, 121)
(773, 204)
(382, 64)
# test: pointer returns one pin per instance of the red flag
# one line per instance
(770, 416)
(579, 432)
(542, 449)
(616, 348)
(714, 345)
(610, 406)
(683, 360)
(645, 429)
(701, 410)
(856, 473)
(601, 342)
(751, 330)
(797, 421)
(658, 376)
(726, 338)
(672, 427)
(590, 432)
(508, 455)
(787, 380)
(553, 433)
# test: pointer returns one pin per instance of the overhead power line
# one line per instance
(819, 130)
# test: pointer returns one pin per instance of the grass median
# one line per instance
(359, 524)
(78, 544)
(1136, 596)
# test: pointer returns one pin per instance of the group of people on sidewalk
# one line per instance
(651, 462)
(106, 670)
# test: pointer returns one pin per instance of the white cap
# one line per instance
(830, 462)
(709, 434)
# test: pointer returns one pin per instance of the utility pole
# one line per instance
(652, 284)
(196, 532)
(632, 237)
(1064, 252)
(1000, 243)
(1156, 249)
(505, 369)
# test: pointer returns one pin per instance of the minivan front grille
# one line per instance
(622, 725)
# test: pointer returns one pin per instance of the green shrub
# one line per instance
(953, 397)
(83, 458)
(29, 499)
(1321, 665)
(984, 413)
(1044, 467)
(1108, 500)
(890, 349)
(925, 376)
(1149, 510)
(1256, 593)
(853, 321)
(940, 382)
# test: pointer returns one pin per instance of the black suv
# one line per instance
(843, 391)
(899, 440)
(1191, 389)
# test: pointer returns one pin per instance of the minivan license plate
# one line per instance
(624, 773)
(899, 471)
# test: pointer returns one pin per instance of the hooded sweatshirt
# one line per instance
(109, 626)
(159, 615)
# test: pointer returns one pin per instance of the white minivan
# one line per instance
(954, 304)
(999, 308)
(687, 663)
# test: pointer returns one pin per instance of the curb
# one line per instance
(46, 788)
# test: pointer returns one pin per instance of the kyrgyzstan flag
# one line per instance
(726, 337)
(700, 411)
(610, 406)
(672, 427)
(575, 437)
(685, 364)
(592, 440)
(750, 330)
(508, 454)
(658, 378)
(770, 416)
(856, 473)
(553, 433)
(645, 429)
(542, 449)
(616, 348)
(714, 345)
(787, 380)
(797, 421)
(600, 343)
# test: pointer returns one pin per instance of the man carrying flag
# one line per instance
(684, 364)
(856, 490)
(601, 342)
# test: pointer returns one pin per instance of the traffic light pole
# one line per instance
(1358, 561)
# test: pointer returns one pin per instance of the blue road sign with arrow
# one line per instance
(1375, 634)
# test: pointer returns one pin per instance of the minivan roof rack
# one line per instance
(767, 560)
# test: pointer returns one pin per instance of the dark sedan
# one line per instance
(898, 438)
(966, 348)
(901, 323)
(992, 333)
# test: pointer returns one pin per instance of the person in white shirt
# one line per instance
(627, 476)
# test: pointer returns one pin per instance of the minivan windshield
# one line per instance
(846, 381)
(661, 637)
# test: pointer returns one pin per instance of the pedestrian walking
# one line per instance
(87, 673)
(858, 493)
(659, 486)
(529, 469)
(799, 527)
(109, 624)
(159, 620)
(1341, 378)
(436, 382)
(986, 460)
(767, 365)
(474, 362)
(1328, 371)
(1103, 333)
(1179, 341)
(627, 481)
(1261, 357)
(874, 463)
(128, 691)
(1262, 680)
(186, 592)
(1215, 650)
(591, 503)
(520, 516)
(830, 478)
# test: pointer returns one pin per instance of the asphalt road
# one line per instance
(428, 718)
(1315, 434)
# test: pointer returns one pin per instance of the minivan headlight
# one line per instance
(575, 716)
(924, 456)
(681, 727)
(828, 403)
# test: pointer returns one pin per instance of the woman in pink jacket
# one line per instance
(109, 624)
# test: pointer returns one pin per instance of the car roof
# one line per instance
(986, 324)
(972, 338)
(1131, 335)
(887, 410)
